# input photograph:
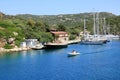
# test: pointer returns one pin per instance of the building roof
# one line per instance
(58, 32)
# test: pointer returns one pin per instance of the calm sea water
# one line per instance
(96, 62)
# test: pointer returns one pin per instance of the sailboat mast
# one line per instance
(104, 26)
(94, 29)
(108, 28)
(84, 27)
(97, 19)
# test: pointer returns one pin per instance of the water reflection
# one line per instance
(31, 53)
(9, 55)
(24, 53)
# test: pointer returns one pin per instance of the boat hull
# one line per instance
(38, 47)
(73, 54)
(57, 46)
(92, 42)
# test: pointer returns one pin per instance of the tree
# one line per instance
(61, 27)
(31, 22)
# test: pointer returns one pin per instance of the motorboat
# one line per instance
(73, 53)
(38, 47)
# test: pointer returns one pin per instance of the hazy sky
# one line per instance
(53, 7)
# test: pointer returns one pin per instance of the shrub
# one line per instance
(72, 37)
(8, 46)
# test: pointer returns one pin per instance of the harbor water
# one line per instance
(96, 62)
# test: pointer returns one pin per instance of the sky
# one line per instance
(55, 7)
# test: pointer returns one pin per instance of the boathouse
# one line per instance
(29, 43)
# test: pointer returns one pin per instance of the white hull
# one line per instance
(92, 42)
(73, 54)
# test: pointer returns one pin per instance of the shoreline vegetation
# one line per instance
(2, 50)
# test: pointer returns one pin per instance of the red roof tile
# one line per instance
(59, 32)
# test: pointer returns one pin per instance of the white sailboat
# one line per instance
(93, 39)
(111, 37)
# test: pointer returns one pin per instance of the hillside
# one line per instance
(65, 19)
(23, 26)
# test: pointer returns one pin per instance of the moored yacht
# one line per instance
(95, 39)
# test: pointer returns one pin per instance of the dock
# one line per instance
(73, 41)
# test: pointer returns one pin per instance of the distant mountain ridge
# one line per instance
(63, 18)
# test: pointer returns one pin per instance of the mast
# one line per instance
(84, 27)
(104, 26)
(97, 24)
(94, 29)
(108, 29)
(101, 25)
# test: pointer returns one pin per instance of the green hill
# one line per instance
(66, 19)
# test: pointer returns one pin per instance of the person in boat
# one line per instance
(74, 52)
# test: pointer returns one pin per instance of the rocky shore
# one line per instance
(13, 50)
(2, 50)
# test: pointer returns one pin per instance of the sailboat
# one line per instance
(93, 39)
(109, 36)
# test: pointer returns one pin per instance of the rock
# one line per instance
(11, 40)
(15, 33)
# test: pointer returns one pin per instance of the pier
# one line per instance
(73, 41)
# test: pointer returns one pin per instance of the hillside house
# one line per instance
(60, 36)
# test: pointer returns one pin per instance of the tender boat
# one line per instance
(38, 47)
(73, 53)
